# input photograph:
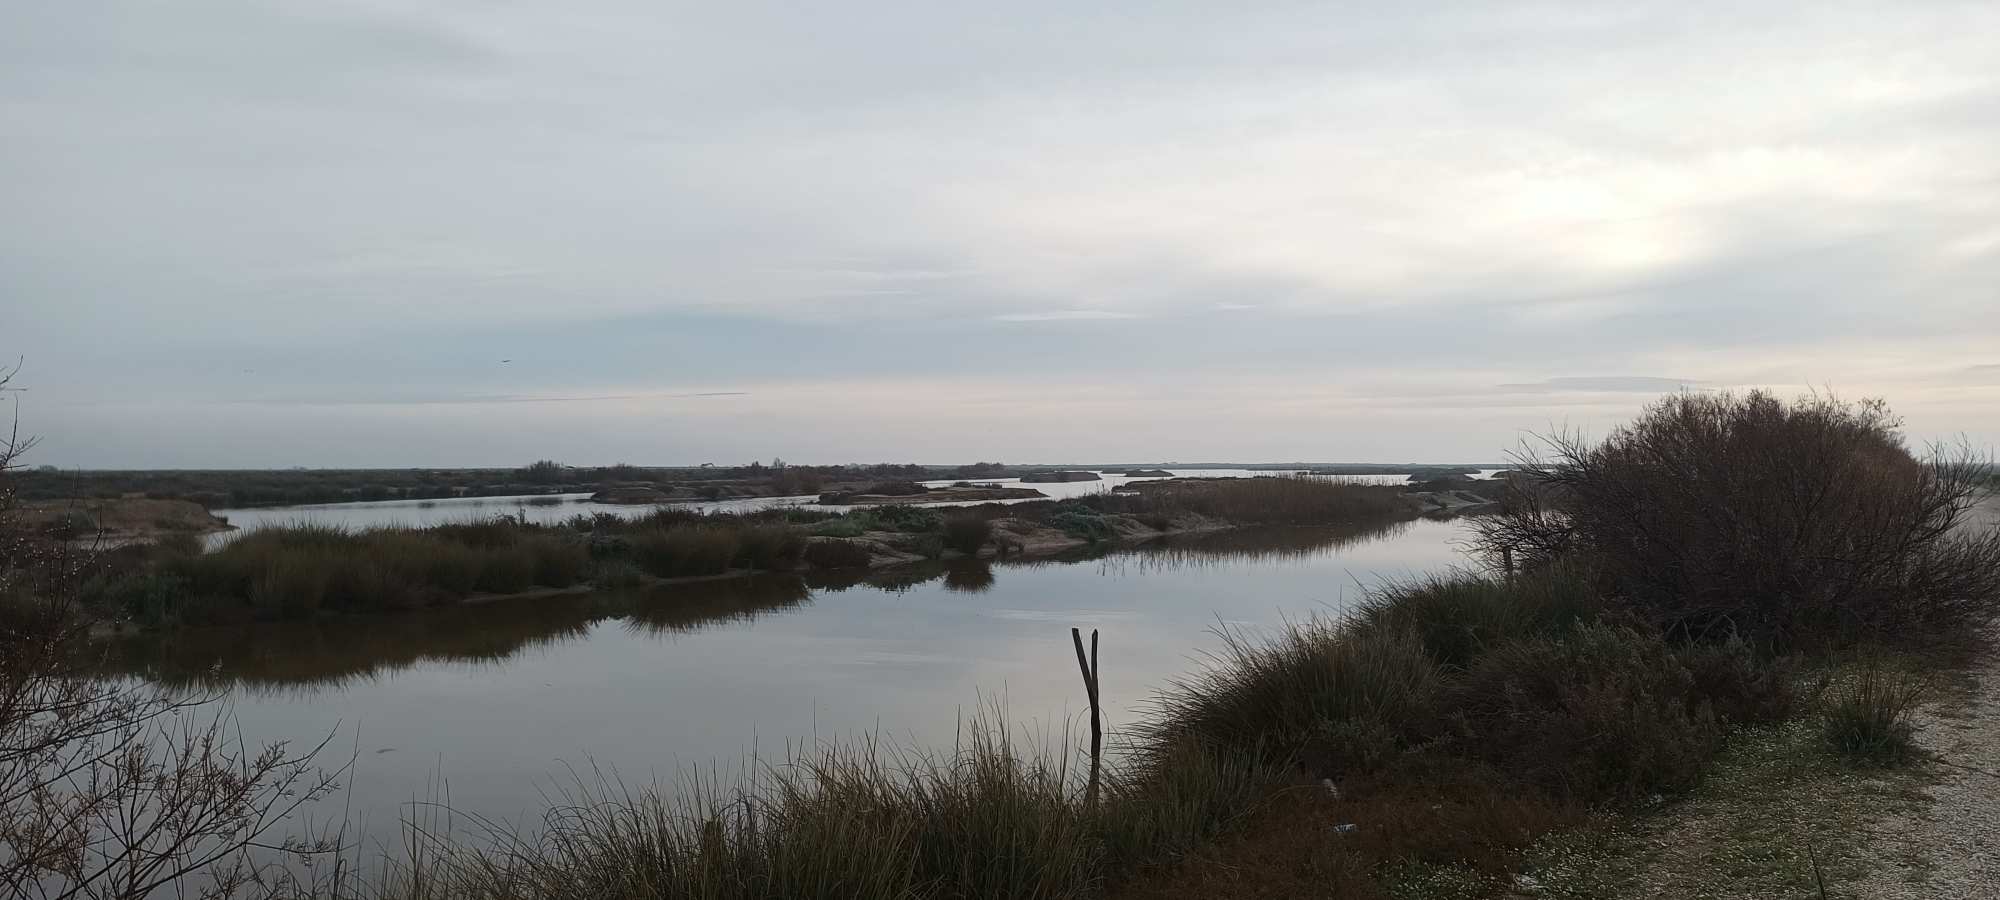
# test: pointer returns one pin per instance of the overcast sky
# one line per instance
(275, 233)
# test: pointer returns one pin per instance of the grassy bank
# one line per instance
(299, 571)
(1457, 734)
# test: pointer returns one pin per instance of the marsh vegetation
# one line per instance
(302, 570)
(1431, 739)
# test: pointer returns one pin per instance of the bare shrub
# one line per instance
(110, 789)
(1806, 522)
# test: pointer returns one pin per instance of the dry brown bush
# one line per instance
(1800, 523)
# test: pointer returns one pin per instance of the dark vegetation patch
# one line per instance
(967, 534)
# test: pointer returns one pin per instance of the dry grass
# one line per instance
(990, 819)
(1868, 719)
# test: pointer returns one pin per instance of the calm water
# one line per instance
(500, 698)
(556, 507)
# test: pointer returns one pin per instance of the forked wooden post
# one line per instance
(1089, 667)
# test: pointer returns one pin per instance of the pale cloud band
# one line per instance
(1284, 218)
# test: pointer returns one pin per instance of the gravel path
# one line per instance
(1950, 849)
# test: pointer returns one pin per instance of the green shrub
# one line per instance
(1601, 711)
(967, 534)
(844, 527)
(1315, 690)
(907, 519)
(1088, 526)
(1458, 616)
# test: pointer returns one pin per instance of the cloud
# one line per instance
(364, 203)
(1604, 384)
(1066, 315)
(406, 399)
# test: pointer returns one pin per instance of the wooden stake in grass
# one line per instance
(1089, 667)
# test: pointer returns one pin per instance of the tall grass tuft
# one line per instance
(1339, 699)
(1868, 719)
(990, 818)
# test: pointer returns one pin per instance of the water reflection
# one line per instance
(308, 657)
(1273, 544)
(326, 654)
(502, 698)
(969, 577)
